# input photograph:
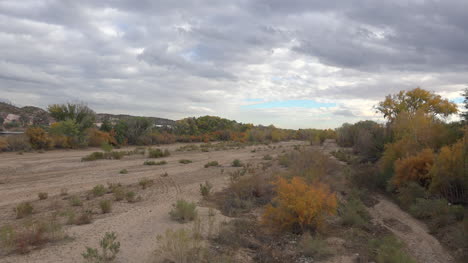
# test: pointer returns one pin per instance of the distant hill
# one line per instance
(114, 117)
(17, 118)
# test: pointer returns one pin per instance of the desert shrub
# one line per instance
(408, 194)
(212, 163)
(60, 141)
(145, 182)
(75, 200)
(18, 143)
(63, 191)
(354, 213)
(23, 209)
(42, 196)
(180, 246)
(237, 163)
(389, 250)
(205, 189)
(109, 247)
(365, 176)
(158, 153)
(119, 194)
(123, 171)
(154, 163)
(414, 168)
(299, 206)
(183, 211)
(113, 155)
(438, 212)
(38, 138)
(30, 235)
(131, 197)
(267, 157)
(3, 144)
(97, 138)
(99, 190)
(343, 156)
(106, 147)
(106, 206)
(244, 193)
(85, 217)
(313, 246)
(185, 161)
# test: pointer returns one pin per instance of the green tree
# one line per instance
(81, 114)
(106, 125)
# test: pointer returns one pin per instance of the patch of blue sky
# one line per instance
(310, 104)
(458, 100)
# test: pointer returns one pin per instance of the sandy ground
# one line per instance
(136, 225)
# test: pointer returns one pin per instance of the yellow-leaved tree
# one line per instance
(414, 168)
(299, 206)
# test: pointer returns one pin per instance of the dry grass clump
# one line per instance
(212, 163)
(23, 209)
(106, 206)
(183, 211)
(42, 196)
(154, 163)
(205, 189)
(145, 182)
(99, 190)
(185, 161)
(75, 200)
(158, 153)
(24, 238)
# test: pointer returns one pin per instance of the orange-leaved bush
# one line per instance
(97, 138)
(299, 206)
(38, 138)
(414, 168)
(450, 172)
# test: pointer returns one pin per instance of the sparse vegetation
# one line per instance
(389, 250)
(212, 163)
(183, 211)
(145, 182)
(185, 161)
(205, 189)
(313, 246)
(106, 206)
(99, 190)
(237, 163)
(109, 248)
(123, 171)
(75, 200)
(158, 153)
(23, 209)
(155, 163)
(42, 196)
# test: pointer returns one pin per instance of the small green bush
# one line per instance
(109, 247)
(119, 194)
(183, 211)
(75, 201)
(408, 194)
(145, 182)
(267, 157)
(123, 171)
(158, 153)
(185, 161)
(113, 155)
(130, 197)
(237, 163)
(106, 206)
(205, 189)
(354, 213)
(23, 209)
(154, 163)
(99, 190)
(212, 163)
(42, 196)
(106, 147)
(389, 250)
(313, 246)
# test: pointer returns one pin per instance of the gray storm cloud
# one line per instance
(179, 58)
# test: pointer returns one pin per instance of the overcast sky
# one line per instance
(294, 64)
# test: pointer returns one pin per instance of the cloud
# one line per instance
(179, 58)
